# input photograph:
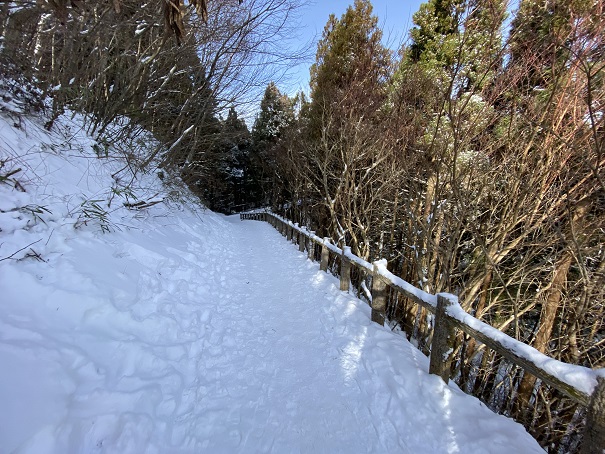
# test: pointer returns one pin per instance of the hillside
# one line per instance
(133, 320)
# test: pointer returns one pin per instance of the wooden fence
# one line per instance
(584, 386)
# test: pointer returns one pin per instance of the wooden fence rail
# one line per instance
(583, 385)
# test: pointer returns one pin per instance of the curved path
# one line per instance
(216, 336)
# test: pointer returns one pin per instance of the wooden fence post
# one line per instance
(311, 248)
(379, 297)
(289, 232)
(443, 341)
(593, 440)
(345, 270)
(325, 256)
(302, 239)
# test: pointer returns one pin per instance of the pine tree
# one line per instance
(539, 35)
(351, 68)
(435, 34)
(482, 42)
(275, 116)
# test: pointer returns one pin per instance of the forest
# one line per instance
(472, 159)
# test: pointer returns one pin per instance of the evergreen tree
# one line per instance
(481, 56)
(236, 145)
(222, 169)
(539, 35)
(351, 68)
(275, 116)
(459, 39)
(435, 34)
(348, 147)
(423, 76)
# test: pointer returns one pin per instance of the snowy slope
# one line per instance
(182, 331)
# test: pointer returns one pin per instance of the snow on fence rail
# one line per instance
(583, 385)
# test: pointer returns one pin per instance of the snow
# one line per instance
(359, 261)
(581, 378)
(327, 242)
(140, 29)
(419, 294)
(180, 330)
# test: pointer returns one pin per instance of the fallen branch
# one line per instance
(16, 252)
(143, 204)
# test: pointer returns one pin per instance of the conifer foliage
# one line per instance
(275, 117)
(351, 60)
(345, 119)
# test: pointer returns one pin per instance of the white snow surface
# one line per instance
(581, 378)
(184, 331)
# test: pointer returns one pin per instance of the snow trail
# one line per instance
(219, 337)
(319, 376)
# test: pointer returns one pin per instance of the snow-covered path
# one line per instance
(213, 335)
(315, 375)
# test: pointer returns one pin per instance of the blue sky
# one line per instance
(394, 17)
